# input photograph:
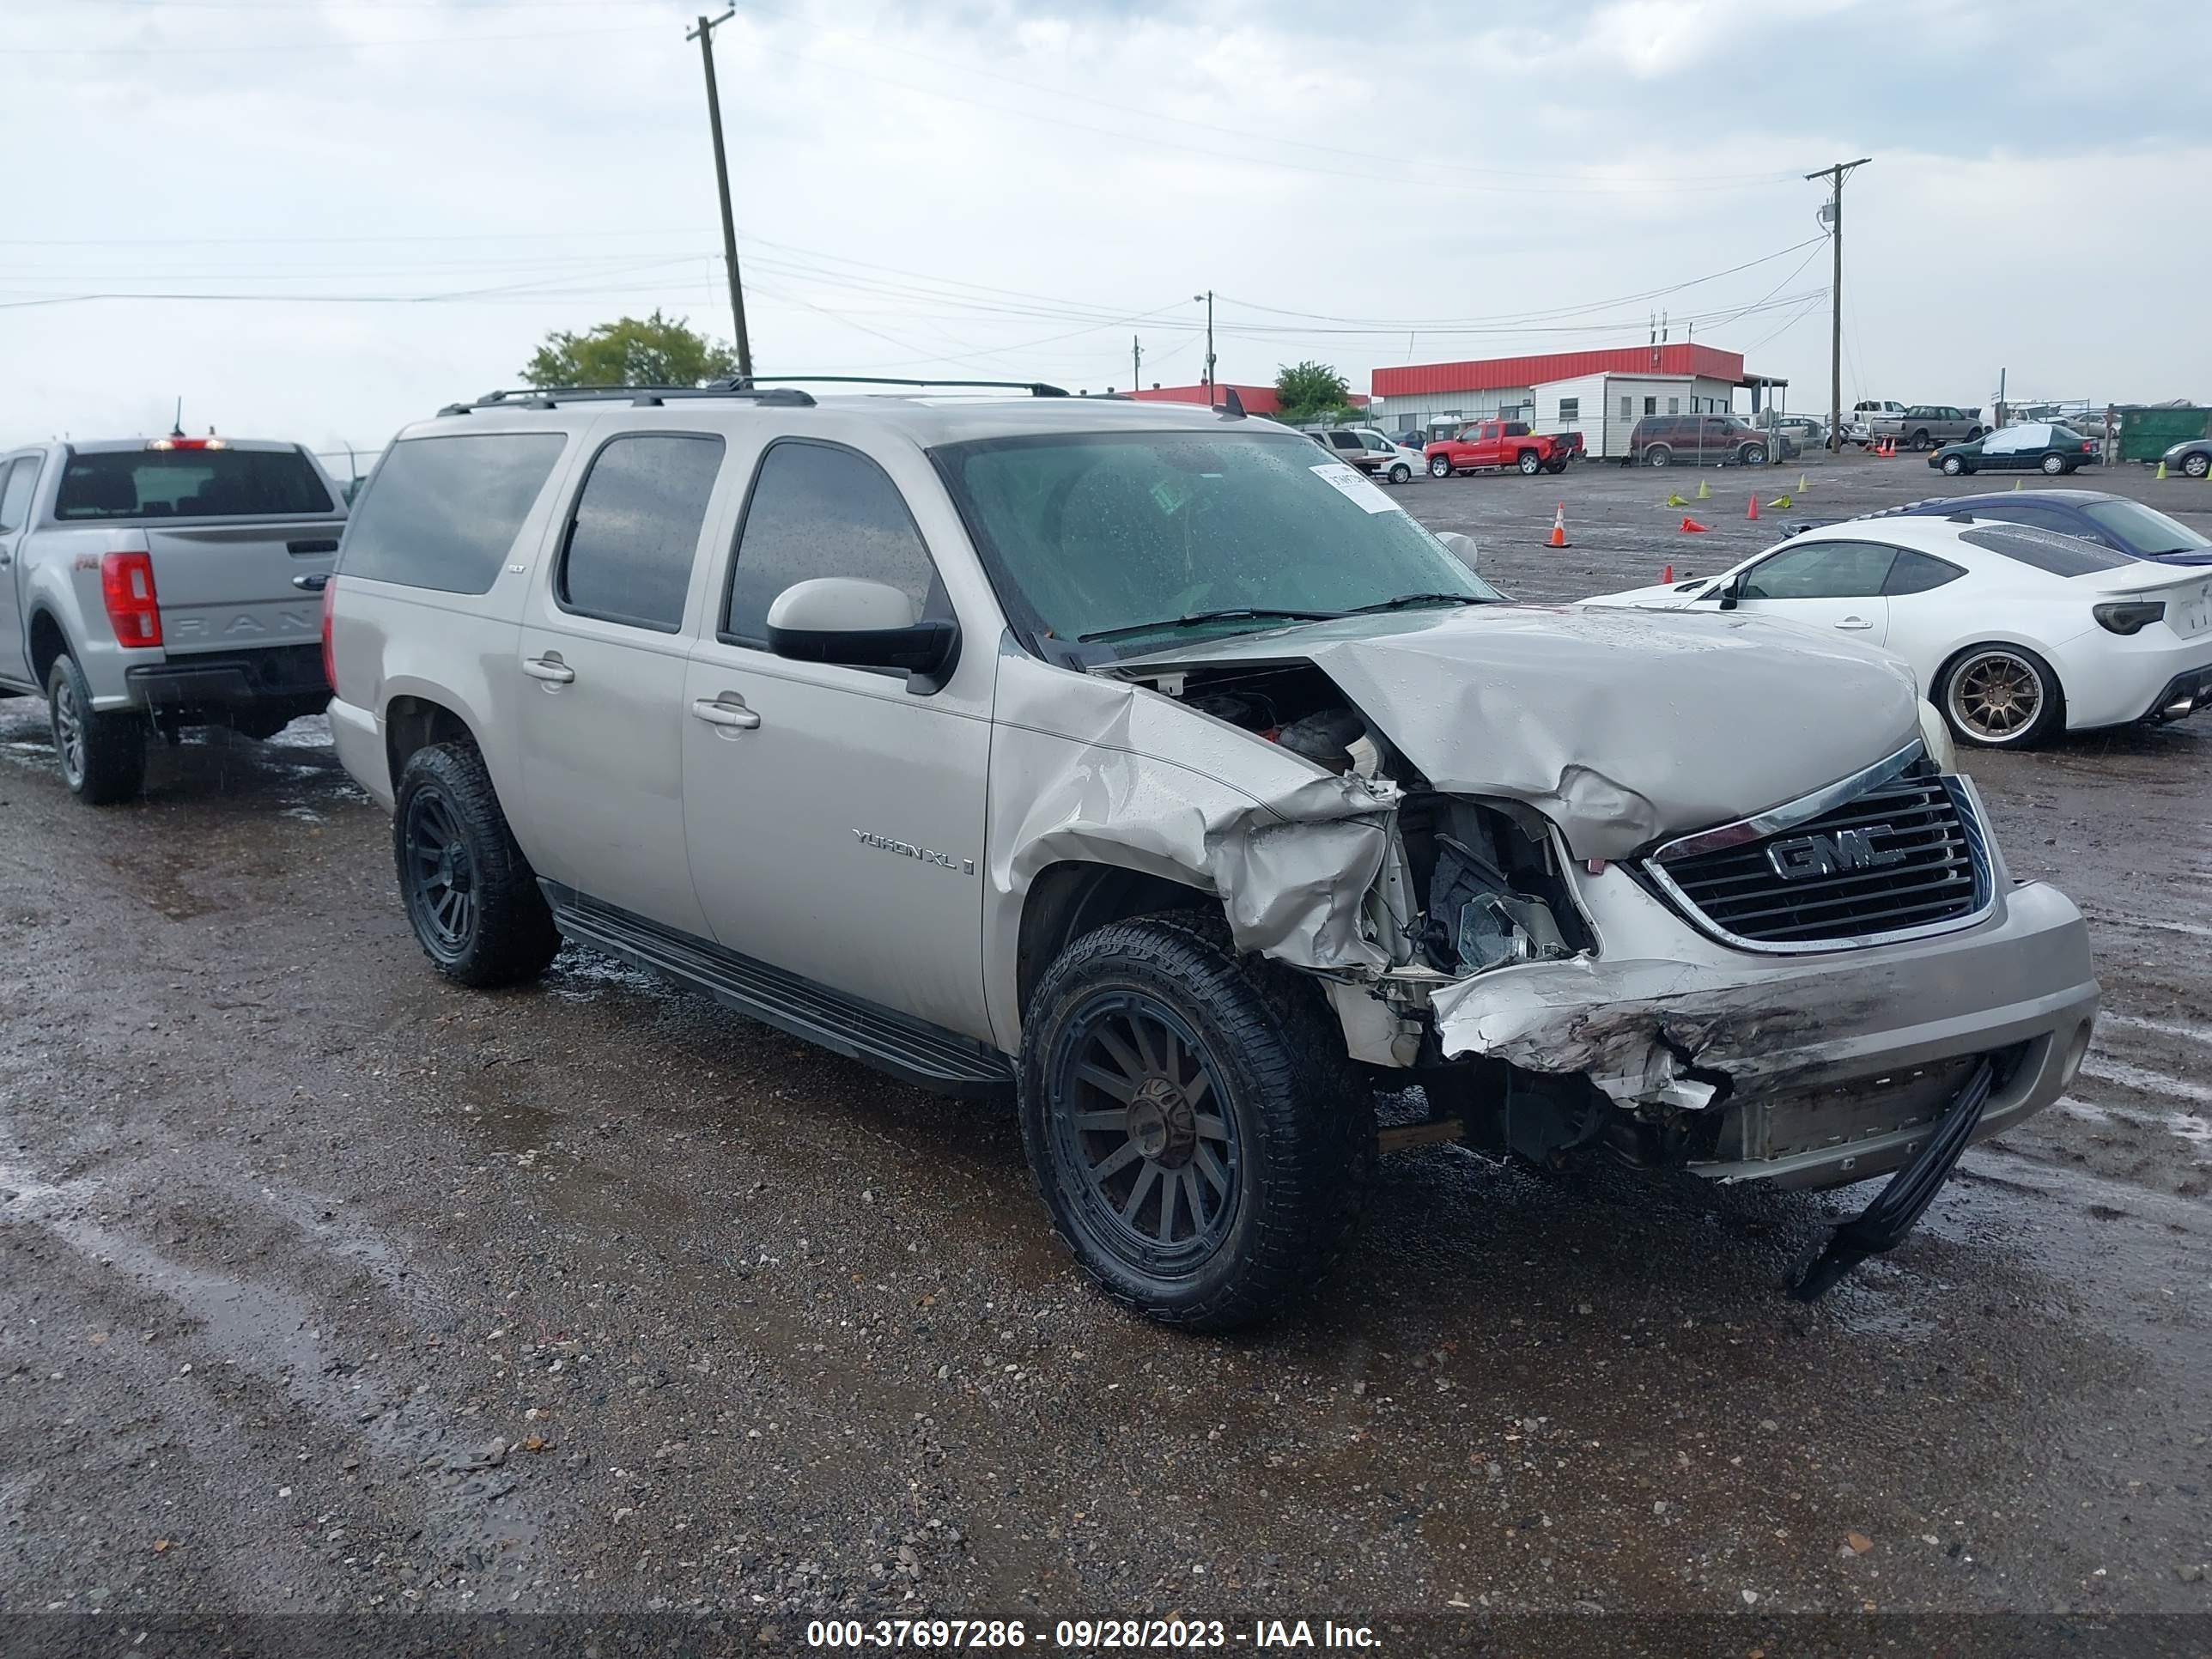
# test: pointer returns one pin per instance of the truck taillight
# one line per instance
(126, 587)
(330, 661)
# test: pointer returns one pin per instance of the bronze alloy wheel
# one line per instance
(1996, 696)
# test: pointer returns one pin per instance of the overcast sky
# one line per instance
(319, 219)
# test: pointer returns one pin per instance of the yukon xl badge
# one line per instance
(907, 849)
(1803, 857)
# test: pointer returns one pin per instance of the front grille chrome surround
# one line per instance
(1898, 852)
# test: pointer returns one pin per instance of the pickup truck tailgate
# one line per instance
(228, 587)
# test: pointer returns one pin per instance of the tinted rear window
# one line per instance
(2061, 555)
(189, 483)
(2144, 528)
(443, 511)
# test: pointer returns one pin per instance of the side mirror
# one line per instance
(1462, 547)
(1727, 591)
(861, 624)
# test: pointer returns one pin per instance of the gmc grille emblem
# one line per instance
(1802, 858)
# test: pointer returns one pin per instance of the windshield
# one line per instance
(1129, 534)
(189, 483)
(2145, 528)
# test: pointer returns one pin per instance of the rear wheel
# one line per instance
(102, 756)
(2197, 466)
(1440, 466)
(1658, 455)
(471, 895)
(1529, 462)
(2053, 465)
(1557, 466)
(1197, 1133)
(1920, 441)
(2001, 696)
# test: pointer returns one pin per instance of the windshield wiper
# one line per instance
(1405, 599)
(1239, 613)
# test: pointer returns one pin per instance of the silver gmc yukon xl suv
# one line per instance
(1143, 765)
(146, 586)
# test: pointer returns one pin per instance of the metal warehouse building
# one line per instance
(1600, 394)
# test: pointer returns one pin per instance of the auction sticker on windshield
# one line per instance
(1348, 480)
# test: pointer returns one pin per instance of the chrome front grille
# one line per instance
(1907, 857)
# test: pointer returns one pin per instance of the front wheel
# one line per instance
(1401, 473)
(1753, 455)
(2001, 696)
(1530, 463)
(1440, 466)
(471, 898)
(1952, 466)
(1196, 1131)
(1658, 455)
(2053, 465)
(102, 756)
(2195, 466)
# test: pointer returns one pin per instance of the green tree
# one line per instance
(654, 350)
(1309, 392)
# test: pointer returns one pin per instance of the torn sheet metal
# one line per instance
(1082, 764)
(1639, 1028)
(1618, 725)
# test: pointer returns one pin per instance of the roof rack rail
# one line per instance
(642, 397)
(1034, 388)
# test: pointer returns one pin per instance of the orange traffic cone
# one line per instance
(1559, 527)
(1692, 527)
(1754, 513)
(1666, 576)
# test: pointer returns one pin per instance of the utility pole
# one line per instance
(1208, 297)
(1136, 364)
(1836, 175)
(704, 35)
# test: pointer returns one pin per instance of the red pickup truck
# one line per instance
(1481, 444)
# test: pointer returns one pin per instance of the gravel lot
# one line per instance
(325, 1287)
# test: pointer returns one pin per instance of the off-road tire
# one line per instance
(510, 936)
(102, 757)
(1302, 1115)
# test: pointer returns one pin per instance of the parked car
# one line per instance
(149, 586)
(2017, 633)
(2115, 521)
(1801, 430)
(1695, 440)
(1369, 451)
(1924, 426)
(1481, 446)
(1118, 759)
(2192, 458)
(2031, 446)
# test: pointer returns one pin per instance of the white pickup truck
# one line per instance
(149, 586)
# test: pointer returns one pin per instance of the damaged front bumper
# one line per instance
(1807, 1071)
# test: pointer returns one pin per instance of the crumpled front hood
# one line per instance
(1618, 725)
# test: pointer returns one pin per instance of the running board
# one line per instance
(927, 1056)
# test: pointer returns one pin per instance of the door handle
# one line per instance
(314, 583)
(719, 712)
(1855, 622)
(6, 558)
(549, 668)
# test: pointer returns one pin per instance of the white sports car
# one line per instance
(2016, 633)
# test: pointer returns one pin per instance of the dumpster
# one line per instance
(2148, 431)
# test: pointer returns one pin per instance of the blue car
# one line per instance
(2115, 521)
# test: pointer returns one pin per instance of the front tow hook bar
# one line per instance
(1883, 1224)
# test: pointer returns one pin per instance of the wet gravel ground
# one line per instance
(327, 1288)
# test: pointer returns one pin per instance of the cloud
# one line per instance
(1018, 189)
